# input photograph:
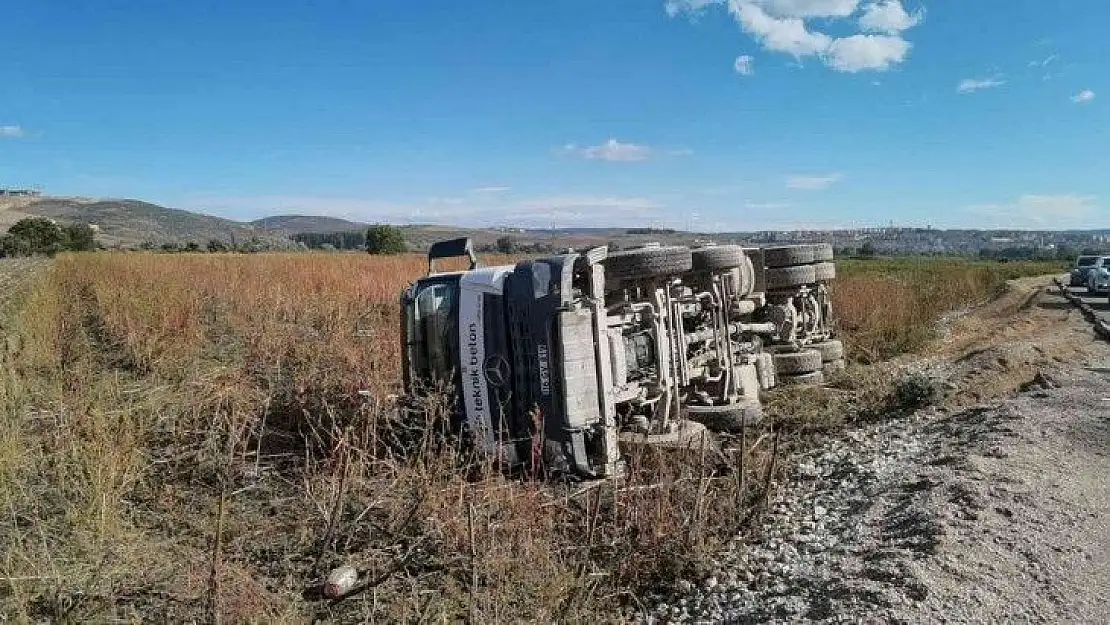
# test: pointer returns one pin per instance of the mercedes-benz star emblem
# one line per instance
(497, 370)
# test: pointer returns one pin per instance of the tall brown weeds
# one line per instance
(165, 401)
(891, 307)
(159, 402)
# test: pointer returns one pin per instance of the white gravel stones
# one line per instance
(810, 564)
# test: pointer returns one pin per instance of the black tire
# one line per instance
(814, 377)
(727, 417)
(787, 256)
(823, 272)
(651, 262)
(792, 363)
(717, 257)
(688, 435)
(829, 350)
(822, 252)
(834, 366)
(790, 277)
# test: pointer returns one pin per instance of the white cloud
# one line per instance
(971, 85)
(813, 183)
(612, 151)
(568, 202)
(779, 34)
(744, 65)
(809, 8)
(1045, 61)
(677, 7)
(1083, 97)
(1041, 212)
(11, 132)
(571, 210)
(867, 52)
(766, 206)
(889, 16)
(485, 190)
(446, 201)
(783, 26)
(494, 210)
(778, 8)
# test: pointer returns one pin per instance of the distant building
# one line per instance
(20, 192)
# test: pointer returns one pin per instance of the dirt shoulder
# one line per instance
(993, 506)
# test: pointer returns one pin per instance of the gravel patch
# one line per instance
(996, 512)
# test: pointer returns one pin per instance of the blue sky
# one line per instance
(710, 114)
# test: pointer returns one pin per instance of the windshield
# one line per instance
(1086, 261)
(432, 337)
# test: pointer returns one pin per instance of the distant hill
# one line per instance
(12, 210)
(130, 223)
(296, 224)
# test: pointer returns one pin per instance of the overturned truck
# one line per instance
(569, 356)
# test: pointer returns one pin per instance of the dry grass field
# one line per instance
(891, 307)
(202, 437)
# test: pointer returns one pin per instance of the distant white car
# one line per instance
(1098, 275)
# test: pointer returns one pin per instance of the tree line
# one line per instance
(37, 236)
(377, 239)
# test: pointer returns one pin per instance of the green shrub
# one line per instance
(79, 238)
(916, 390)
(35, 235)
(385, 239)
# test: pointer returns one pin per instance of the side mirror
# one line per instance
(450, 249)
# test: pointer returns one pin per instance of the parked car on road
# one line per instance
(1079, 273)
(1098, 275)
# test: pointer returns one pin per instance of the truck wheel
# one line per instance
(727, 417)
(788, 255)
(822, 252)
(687, 435)
(792, 363)
(654, 262)
(790, 277)
(823, 272)
(834, 366)
(813, 377)
(829, 350)
(718, 257)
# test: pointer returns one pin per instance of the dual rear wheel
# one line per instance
(811, 364)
